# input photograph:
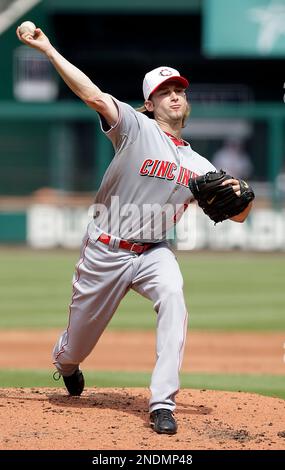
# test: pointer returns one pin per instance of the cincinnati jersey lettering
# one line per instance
(166, 170)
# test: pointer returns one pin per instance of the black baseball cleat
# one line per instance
(74, 383)
(162, 421)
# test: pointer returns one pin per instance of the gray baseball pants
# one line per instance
(103, 276)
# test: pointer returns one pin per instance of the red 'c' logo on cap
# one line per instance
(165, 72)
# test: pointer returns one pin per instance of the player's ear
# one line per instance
(149, 106)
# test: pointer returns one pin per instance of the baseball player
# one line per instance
(142, 195)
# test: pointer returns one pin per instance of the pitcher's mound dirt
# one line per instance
(117, 419)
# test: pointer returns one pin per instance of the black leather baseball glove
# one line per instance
(217, 201)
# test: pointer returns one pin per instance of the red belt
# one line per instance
(125, 245)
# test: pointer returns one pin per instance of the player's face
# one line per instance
(169, 102)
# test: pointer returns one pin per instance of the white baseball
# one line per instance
(27, 27)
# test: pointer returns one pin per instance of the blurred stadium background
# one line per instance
(53, 156)
(52, 153)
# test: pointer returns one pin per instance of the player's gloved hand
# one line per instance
(219, 197)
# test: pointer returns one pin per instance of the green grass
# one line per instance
(227, 291)
(270, 385)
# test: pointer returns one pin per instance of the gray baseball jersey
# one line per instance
(145, 188)
(148, 176)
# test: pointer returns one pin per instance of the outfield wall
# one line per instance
(50, 226)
